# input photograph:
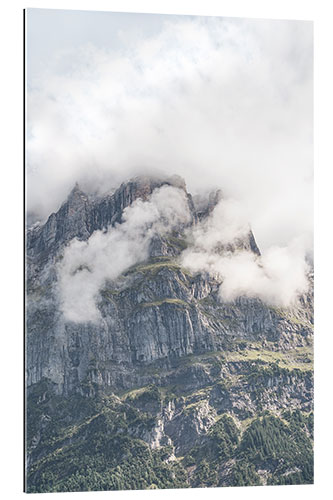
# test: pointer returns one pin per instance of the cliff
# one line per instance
(165, 346)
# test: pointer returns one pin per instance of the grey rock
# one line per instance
(155, 313)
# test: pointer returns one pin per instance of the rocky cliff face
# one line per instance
(155, 311)
(159, 327)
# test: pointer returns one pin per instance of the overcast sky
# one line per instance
(223, 102)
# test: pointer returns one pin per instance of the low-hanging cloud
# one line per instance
(223, 102)
(87, 265)
(277, 277)
(226, 223)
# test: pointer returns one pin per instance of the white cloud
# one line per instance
(225, 225)
(277, 277)
(224, 103)
(87, 265)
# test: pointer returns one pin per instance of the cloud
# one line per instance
(224, 226)
(277, 277)
(87, 265)
(223, 102)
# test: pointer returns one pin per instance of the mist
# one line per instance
(88, 265)
(278, 276)
(224, 103)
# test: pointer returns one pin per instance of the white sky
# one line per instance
(51, 31)
(223, 102)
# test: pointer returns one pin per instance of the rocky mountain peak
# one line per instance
(204, 205)
(142, 186)
(76, 195)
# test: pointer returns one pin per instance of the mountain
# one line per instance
(170, 386)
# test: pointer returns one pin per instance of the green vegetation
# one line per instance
(178, 243)
(97, 444)
(295, 317)
(154, 266)
(299, 358)
(157, 303)
(284, 450)
(149, 394)
(79, 443)
(244, 474)
(99, 452)
(105, 462)
(109, 294)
